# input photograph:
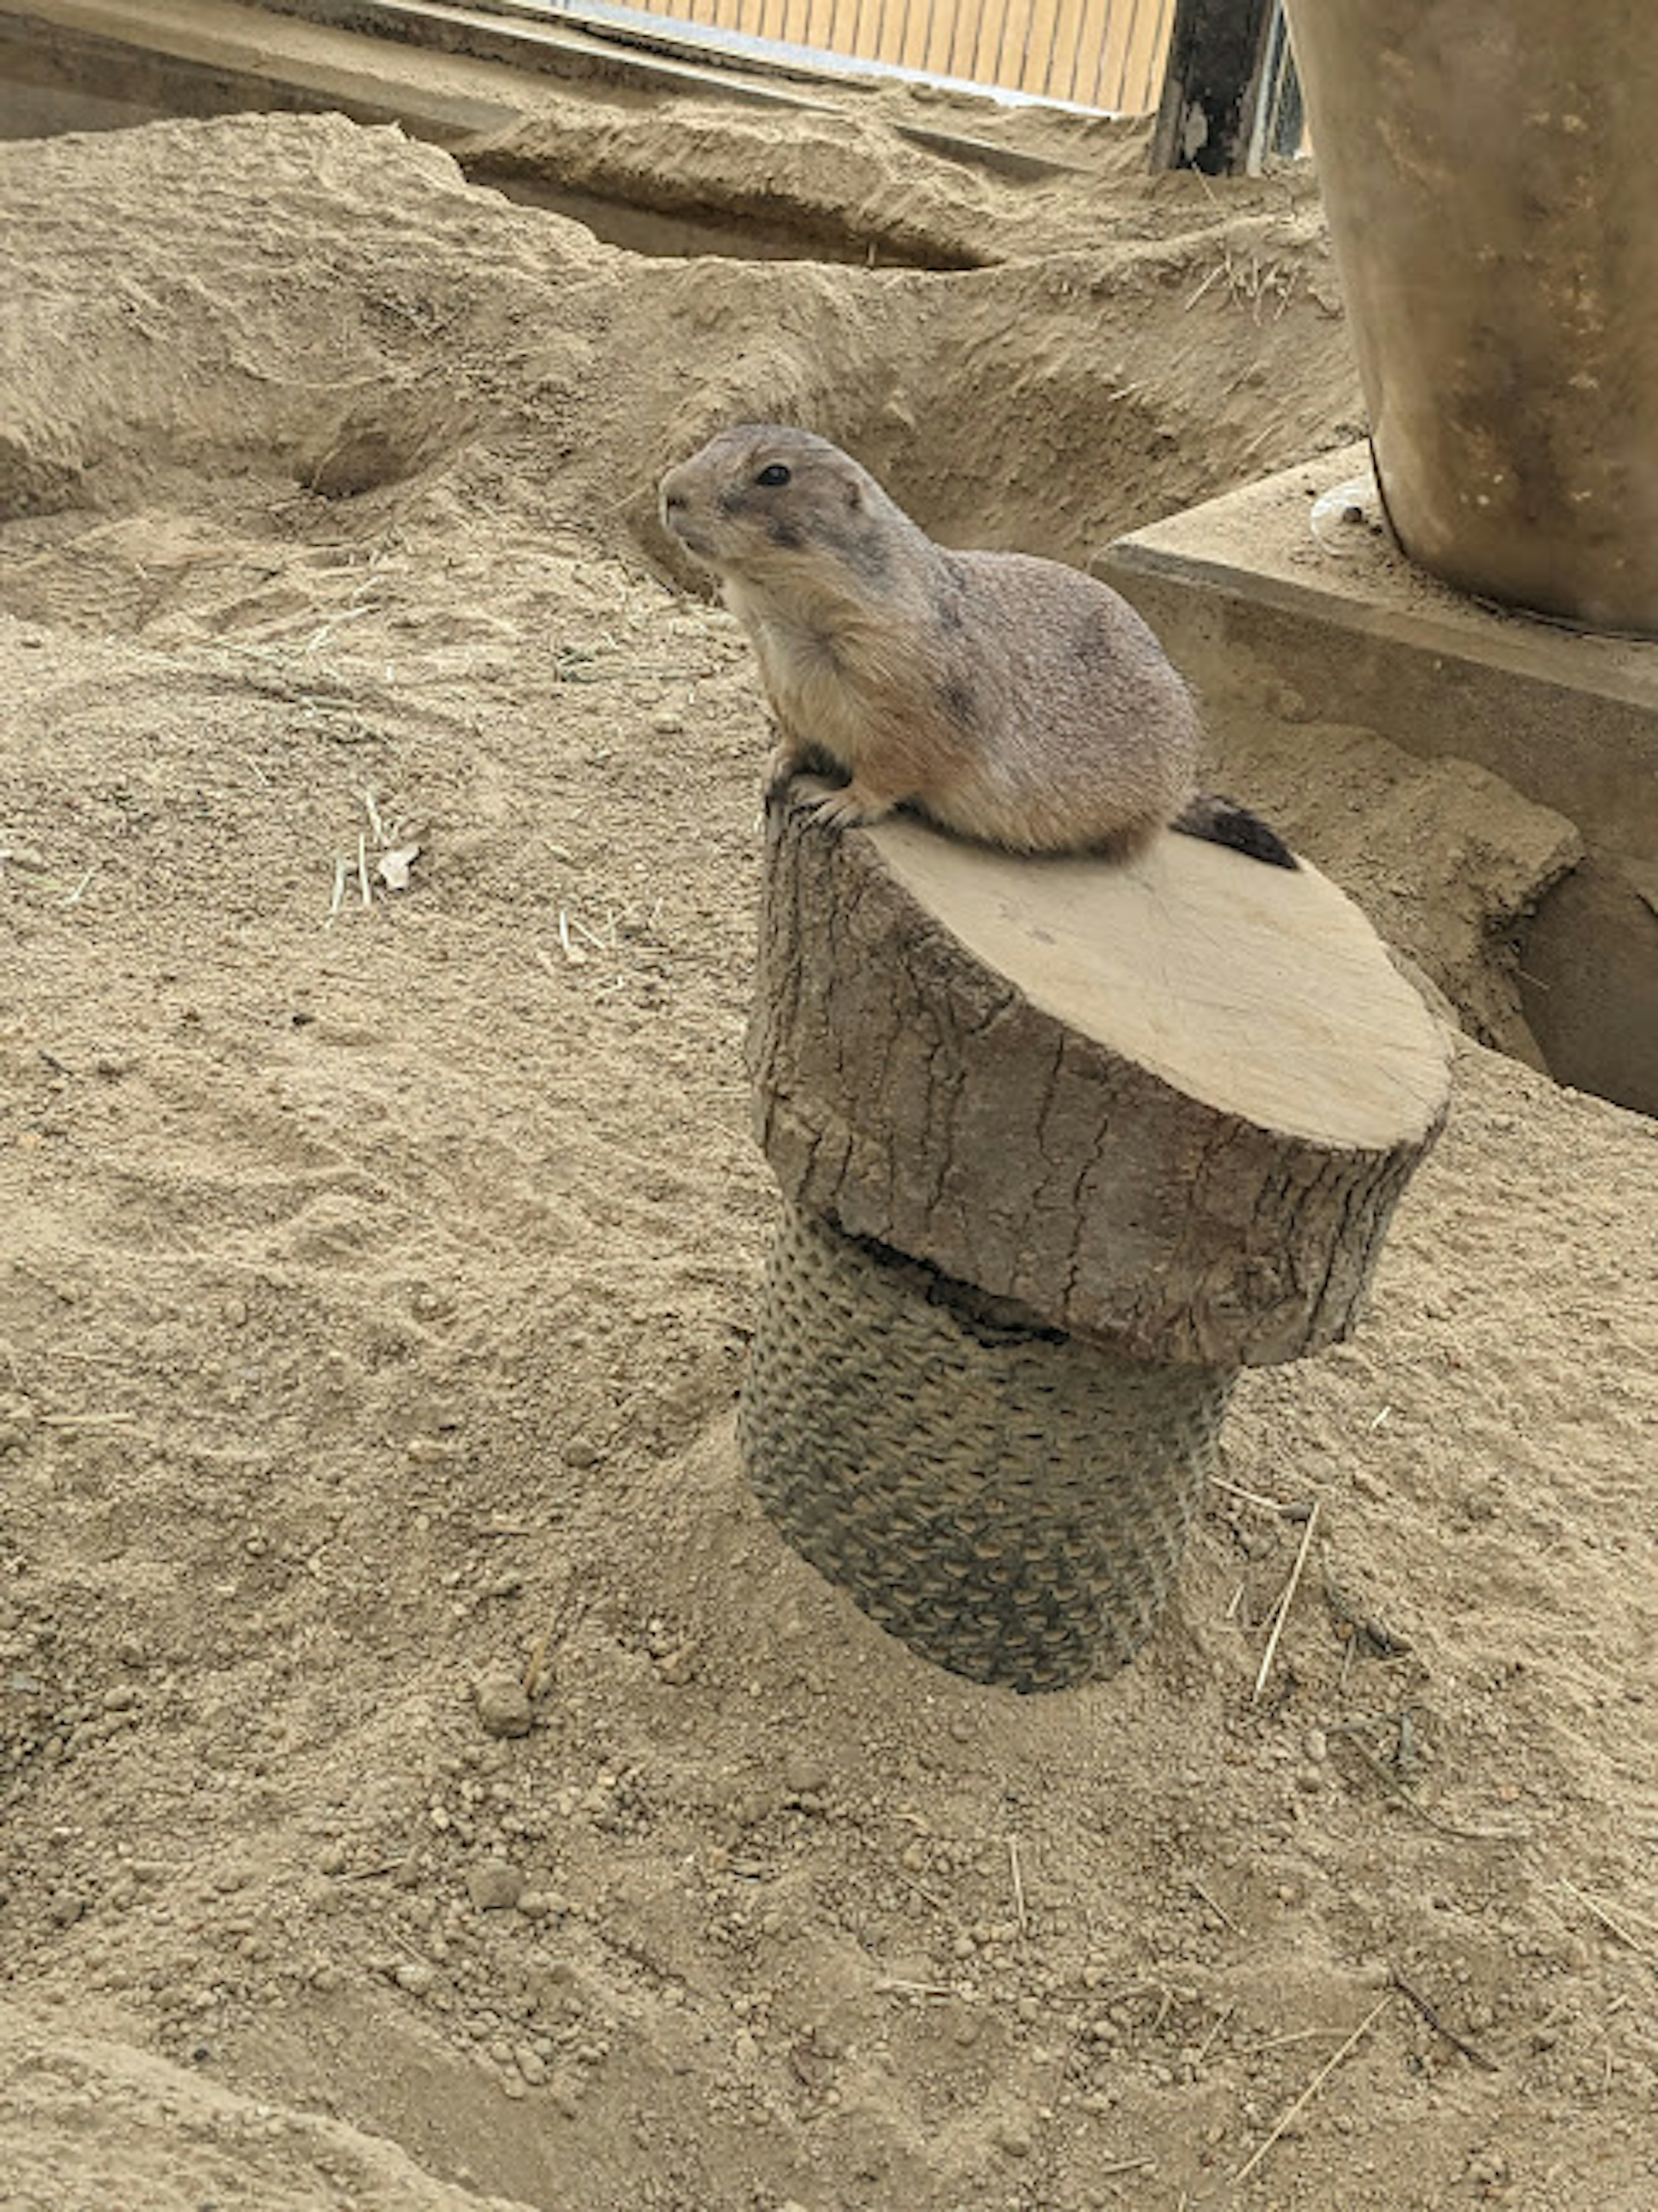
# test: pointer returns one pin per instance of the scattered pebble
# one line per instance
(503, 1704)
(16, 1422)
(494, 1887)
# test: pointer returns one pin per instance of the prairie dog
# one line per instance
(1011, 699)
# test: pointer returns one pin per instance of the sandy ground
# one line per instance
(377, 1270)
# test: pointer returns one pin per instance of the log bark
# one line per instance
(1170, 1105)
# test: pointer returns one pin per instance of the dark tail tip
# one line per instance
(1221, 822)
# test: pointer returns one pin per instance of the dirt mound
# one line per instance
(267, 295)
(378, 1268)
(303, 299)
(879, 180)
(91, 2117)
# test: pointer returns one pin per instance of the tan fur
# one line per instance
(1014, 700)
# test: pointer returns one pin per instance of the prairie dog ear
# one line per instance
(854, 495)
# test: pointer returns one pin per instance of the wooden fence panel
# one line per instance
(1103, 53)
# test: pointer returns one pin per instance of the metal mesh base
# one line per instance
(1012, 1502)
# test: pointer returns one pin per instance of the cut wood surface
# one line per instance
(1170, 1103)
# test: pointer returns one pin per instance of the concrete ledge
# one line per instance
(211, 57)
(445, 73)
(1353, 632)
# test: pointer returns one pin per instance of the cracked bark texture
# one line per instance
(1170, 1105)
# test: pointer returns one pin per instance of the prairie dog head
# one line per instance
(769, 505)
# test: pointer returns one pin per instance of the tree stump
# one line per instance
(1062, 1144)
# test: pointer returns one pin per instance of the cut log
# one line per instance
(1168, 1105)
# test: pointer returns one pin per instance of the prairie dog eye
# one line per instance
(772, 476)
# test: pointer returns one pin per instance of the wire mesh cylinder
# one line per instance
(1010, 1501)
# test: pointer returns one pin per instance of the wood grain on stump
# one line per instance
(1169, 1104)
